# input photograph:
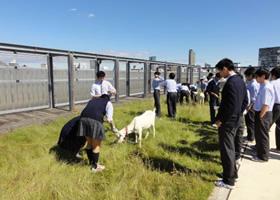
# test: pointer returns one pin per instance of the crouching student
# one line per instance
(91, 126)
(171, 89)
(185, 92)
(263, 115)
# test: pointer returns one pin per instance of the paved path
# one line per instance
(257, 181)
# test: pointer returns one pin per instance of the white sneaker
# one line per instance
(99, 168)
(238, 161)
(222, 184)
(214, 125)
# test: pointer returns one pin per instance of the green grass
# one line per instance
(179, 163)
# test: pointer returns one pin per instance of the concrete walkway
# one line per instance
(257, 181)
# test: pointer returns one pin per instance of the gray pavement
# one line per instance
(257, 181)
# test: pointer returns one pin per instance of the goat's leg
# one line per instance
(140, 137)
(147, 134)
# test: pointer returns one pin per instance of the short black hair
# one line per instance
(262, 71)
(275, 72)
(218, 75)
(250, 71)
(171, 75)
(100, 74)
(157, 73)
(225, 63)
(105, 96)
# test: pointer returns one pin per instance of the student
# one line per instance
(213, 89)
(263, 115)
(171, 88)
(156, 85)
(91, 127)
(203, 86)
(100, 87)
(275, 76)
(193, 89)
(233, 104)
(184, 92)
(253, 88)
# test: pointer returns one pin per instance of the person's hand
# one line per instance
(218, 123)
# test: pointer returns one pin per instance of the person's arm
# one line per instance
(109, 112)
(263, 111)
(111, 89)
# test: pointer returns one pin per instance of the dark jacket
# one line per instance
(234, 101)
(213, 87)
(95, 109)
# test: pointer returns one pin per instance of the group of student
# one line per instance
(259, 100)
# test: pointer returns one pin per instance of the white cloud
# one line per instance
(73, 9)
(91, 15)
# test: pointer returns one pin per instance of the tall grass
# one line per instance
(179, 163)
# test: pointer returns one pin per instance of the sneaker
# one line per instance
(115, 130)
(214, 126)
(256, 159)
(223, 185)
(275, 150)
(238, 161)
(99, 168)
(221, 175)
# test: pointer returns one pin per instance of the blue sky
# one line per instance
(167, 29)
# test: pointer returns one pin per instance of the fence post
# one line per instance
(146, 80)
(191, 75)
(149, 78)
(71, 81)
(179, 71)
(127, 79)
(50, 80)
(117, 80)
(165, 76)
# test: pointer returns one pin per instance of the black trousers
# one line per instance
(238, 140)
(262, 127)
(157, 102)
(250, 123)
(276, 119)
(183, 94)
(227, 149)
(212, 103)
(171, 104)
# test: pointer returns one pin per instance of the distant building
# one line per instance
(269, 57)
(191, 57)
(13, 63)
(207, 65)
(236, 64)
(80, 65)
(2, 64)
(153, 58)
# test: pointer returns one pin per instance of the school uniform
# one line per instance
(193, 88)
(156, 85)
(184, 92)
(262, 126)
(213, 86)
(253, 86)
(203, 87)
(233, 104)
(171, 89)
(276, 111)
(91, 121)
(99, 88)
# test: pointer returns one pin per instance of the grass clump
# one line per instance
(179, 163)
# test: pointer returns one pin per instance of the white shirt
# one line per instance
(276, 86)
(170, 85)
(109, 111)
(98, 88)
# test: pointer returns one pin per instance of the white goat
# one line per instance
(137, 125)
(200, 98)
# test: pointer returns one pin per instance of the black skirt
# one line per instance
(91, 128)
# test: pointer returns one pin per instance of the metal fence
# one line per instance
(54, 80)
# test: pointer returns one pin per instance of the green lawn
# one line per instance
(181, 162)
